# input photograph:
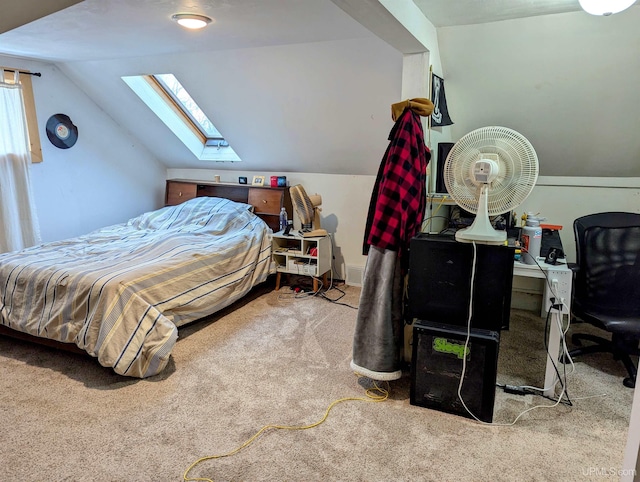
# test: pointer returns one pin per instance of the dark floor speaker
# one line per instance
(443, 151)
(436, 366)
(439, 287)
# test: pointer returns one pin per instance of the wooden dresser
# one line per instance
(267, 201)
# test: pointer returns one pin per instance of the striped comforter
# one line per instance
(120, 293)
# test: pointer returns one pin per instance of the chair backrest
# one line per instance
(608, 254)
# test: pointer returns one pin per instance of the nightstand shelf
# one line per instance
(297, 255)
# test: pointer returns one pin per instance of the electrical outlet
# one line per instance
(560, 288)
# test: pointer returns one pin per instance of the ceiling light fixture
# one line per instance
(605, 7)
(191, 20)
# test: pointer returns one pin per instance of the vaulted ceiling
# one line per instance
(108, 29)
(300, 84)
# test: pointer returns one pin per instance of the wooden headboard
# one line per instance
(266, 201)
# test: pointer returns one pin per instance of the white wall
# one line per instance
(108, 176)
(568, 82)
(417, 68)
(314, 107)
(105, 178)
(345, 203)
(561, 200)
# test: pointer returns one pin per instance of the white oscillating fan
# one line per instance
(489, 171)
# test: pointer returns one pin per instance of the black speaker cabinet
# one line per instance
(443, 151)
(436, 367)
(439, 286)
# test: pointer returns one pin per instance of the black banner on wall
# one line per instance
(440, 116)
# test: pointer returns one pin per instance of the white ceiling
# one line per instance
(108, 29)
(264, 47)
(447, 13)
(15, 14)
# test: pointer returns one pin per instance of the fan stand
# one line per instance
(313, 230)
(481, 231)
(316, 233)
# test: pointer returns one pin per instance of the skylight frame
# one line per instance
(173, 115)
(211, 134)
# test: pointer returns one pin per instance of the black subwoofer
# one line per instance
(436, 368)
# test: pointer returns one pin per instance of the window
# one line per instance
(30, 110)
(171, 102)
(182, 98)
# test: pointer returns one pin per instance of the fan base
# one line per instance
(481, 231)
(482, 236)
(316, 233)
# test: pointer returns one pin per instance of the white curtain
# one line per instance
(18, 221)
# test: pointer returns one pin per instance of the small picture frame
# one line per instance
(242, 180)
(258, 181)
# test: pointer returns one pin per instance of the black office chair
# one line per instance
(607, 285)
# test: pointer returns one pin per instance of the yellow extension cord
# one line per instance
(375, 394)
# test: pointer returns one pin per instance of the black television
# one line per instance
(439, 282)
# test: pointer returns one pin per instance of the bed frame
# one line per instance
(266, 201)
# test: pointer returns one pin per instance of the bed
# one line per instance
(120, 293)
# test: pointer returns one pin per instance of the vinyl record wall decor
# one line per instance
(61, 131)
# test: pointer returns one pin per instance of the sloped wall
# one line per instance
(568, 82)
(105, 178)
(319, 107)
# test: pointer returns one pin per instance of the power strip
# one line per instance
(560, 289)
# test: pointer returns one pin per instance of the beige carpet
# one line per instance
(278, 359)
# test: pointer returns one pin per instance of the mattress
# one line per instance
(121, 292)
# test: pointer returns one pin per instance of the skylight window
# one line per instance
(184, 100)
(171, 102)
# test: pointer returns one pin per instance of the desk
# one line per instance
(558, 281)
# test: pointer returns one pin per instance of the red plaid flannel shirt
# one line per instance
(399, 197)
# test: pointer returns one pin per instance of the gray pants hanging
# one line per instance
(378, 337)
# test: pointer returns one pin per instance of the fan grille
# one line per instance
(302, 203)
(518, 169)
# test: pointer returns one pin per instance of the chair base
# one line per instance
(618, 346)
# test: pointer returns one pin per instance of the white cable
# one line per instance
(565, 353)
(466, 342)
(464, 361)
(565, 349)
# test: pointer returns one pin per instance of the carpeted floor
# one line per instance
(281, 359)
